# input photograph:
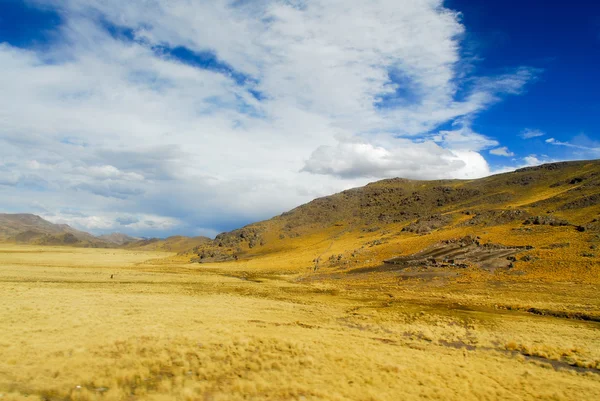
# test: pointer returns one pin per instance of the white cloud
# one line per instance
(527, 161)
(537, 160)
(532, 160)
(464, 138)
(531, 133)
(503, 151)
(426, 160)
(352, 89)
(108, 172)
(105, 222)
(580, 143)
(579, 147)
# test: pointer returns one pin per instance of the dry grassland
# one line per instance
(168, 330)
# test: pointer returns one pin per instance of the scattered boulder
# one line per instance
(528, 258)
(213, 256)
(572, 181)
(583, 202)
(521, 180)
(546, 221)
(495, 217)
(593, 225)
(428, 224)
(461, 252)
(250, 236)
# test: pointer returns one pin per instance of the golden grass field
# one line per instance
(166, 329)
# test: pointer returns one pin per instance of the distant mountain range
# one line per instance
(34, 230)
(118, 238)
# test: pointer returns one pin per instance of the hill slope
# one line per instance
(32, 229)
(118, 238)
(552, 212)
(177, 243)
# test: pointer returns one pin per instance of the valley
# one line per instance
(453, 290)
(94, 324)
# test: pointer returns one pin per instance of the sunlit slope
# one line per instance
(106, 324)
(177, 243)
(553, 210)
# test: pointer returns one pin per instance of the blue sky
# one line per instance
(561, 39)
(173, 117)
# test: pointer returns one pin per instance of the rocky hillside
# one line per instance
(368, 225)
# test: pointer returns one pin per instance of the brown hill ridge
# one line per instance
(32, 229)
(176, 243)
(532, 207)
(118, 238)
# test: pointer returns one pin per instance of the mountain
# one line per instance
(549, 215)
(118, 238)
(32, 229)
(538, 222)
(175, 243)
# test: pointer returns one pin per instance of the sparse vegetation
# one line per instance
(165, 330)
(499, 300)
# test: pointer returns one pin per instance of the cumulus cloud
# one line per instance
(503, 151)
(532, 160)
(173, 109)
(406, 158)
(105, 222)
(464, 138)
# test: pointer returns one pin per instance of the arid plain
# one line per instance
(160, 331)
(400, 290)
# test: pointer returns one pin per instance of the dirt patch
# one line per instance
(571, 181)
(593, 225)
(457, 345)
(546, 221)
(495, 217)
(582, 202)
(211, 255)
(521, 180)
(493, 199)
(428, 224)
(461, 253)
(565, 314)
(579, 203)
